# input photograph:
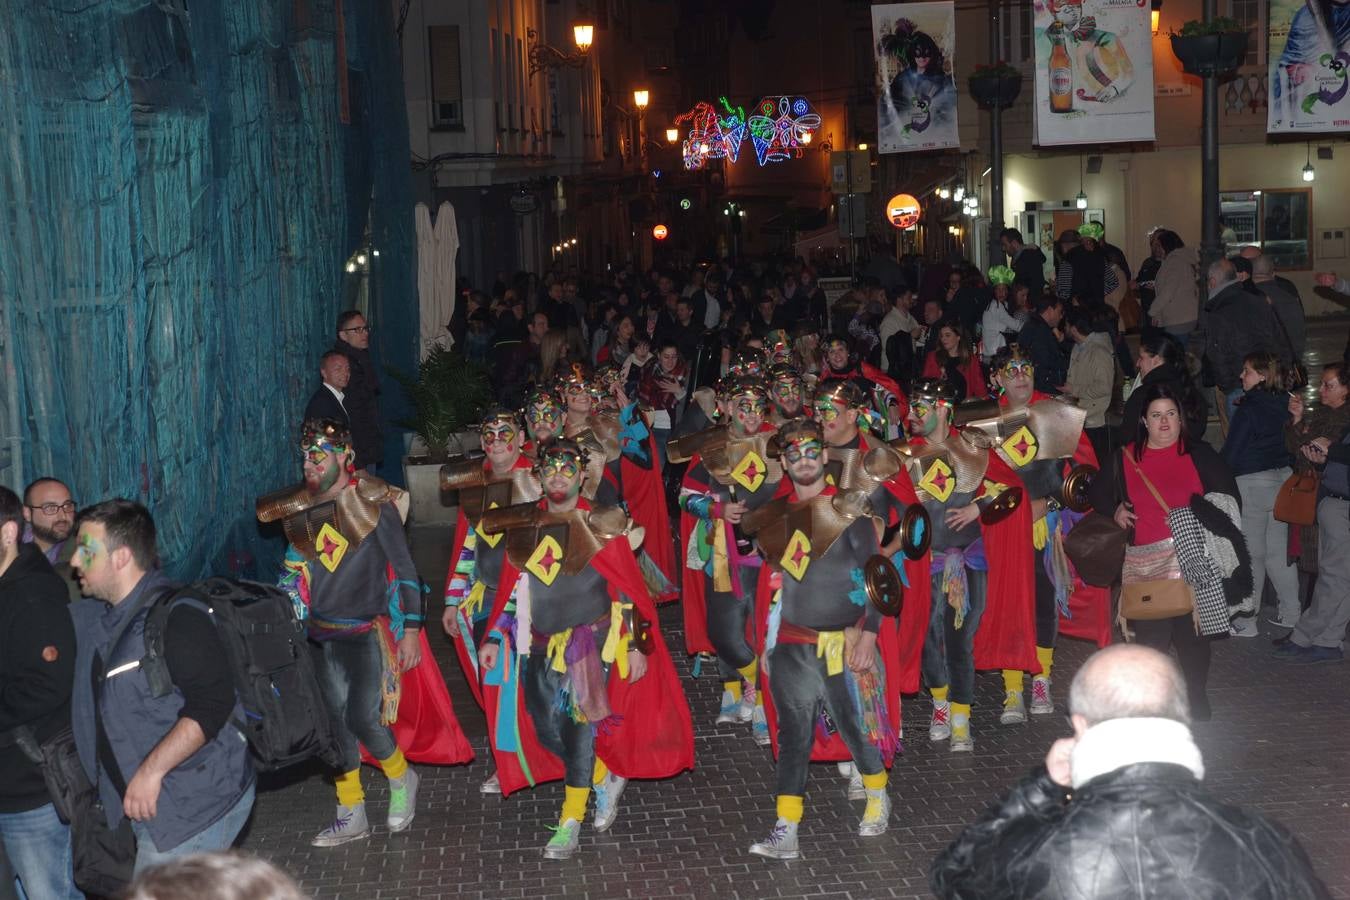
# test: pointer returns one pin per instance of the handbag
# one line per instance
(1159, 599)
(1296, 503)
(1096, 547)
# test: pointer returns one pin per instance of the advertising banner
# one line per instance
(1309, 45)
(1094, 72)
(915, 45)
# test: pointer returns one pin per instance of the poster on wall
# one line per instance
(915, 45)
(1309, 46)
(1094, 72)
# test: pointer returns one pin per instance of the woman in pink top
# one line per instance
(1178, 468)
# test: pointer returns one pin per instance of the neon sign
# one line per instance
(780, 127)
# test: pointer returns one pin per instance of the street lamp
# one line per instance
(1081, 200)
(672, 135)
(640, 98)
(545, 56)
(1308, 173)
(1156, 15)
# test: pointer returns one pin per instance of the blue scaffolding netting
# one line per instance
(180, 194)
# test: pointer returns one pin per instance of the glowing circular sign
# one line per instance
(903, 211)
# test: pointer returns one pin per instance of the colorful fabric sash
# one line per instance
(952, 563)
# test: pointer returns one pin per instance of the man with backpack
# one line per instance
(172, 763)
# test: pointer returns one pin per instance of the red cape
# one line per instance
(468, 655)
(645, 493)
(654, 739)
(832, 749)
(1089, 607)
(426, 729)
(1006, 638)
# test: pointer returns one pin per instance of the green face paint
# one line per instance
(88, 553)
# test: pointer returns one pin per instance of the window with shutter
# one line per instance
(447, 95)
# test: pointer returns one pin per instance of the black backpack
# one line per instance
(285, 718)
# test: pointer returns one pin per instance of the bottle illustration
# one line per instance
(1061, 71)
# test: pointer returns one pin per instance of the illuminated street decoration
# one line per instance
(779, 129)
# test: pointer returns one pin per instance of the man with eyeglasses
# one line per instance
(361, 398)
(823, 642)
(503, 477)
(49, 514)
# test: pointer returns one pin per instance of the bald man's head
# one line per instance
(1127, 681)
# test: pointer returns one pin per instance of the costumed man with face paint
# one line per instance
(787, 394)
(730, 471)
(859, 461)
(579, 683)
(979, 558)
(885, 397)
(355, 587)
(623, 469)
(1042, 439)
(504, 477)
(824, 644)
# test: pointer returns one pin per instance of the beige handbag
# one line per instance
(1163, 599)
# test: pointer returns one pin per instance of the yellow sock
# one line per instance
(349, 790)
(759, 699)
(395, 766)
(961, 709)
(939, 694)
(601, 770)
(750, 672)
(875, 782)
(789, 807)
(1046, 657)
(1012, 680)
(734, 688)
(574, 803)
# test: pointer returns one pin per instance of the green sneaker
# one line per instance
(402, 801)
(564, 842)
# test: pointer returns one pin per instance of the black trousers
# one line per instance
(799, 683)
(572, 742)
(727, 618)
(1193, 652)
(1047, 611)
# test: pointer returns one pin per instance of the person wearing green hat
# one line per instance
(1084, 274)
(1002, 315)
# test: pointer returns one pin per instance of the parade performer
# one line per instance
(1042, 440)
(980, 565)
(504, 477)
(625, 467)
(787, 394)
(574, 634)
(355, 587)
(884, 396)
(823, 640)
(730, 470)
(860, 461)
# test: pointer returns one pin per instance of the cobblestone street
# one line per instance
(1277, 742)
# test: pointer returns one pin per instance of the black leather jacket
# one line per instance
(1146, 830)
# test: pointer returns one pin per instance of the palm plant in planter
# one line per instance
(1213, 48)
(447, 395)
(995, 86)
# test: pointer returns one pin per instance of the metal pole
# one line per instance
(1210, 250)
(995, 148)
(852, 214)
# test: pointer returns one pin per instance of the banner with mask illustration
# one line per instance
(1309, 46)
(915, 44)
(1094, 72)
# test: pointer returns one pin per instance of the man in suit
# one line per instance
(326, 403)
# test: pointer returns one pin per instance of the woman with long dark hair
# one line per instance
(1162, 360)
(955, 362)
(1161, 458)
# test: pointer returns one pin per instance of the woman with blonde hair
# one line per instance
(553, 355)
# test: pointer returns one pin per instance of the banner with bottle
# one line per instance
(1309, 47)
(1094, 72)
(915, 45)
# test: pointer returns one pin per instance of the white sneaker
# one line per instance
(940, 726)
(855, 789)
(759, 727)
(492, 785)
(1042, 704)
(730, 713)
(564, 842)
(1014, 709)
(607, 794)
(962, 742)
(748, 705)
(846, 769)
(877, 816)
(402, 801)
(780, 844)
(350, 824)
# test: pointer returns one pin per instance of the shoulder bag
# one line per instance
(1161, 599)
(1096, 547)
(1296, 503)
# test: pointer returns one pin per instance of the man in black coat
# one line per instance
(326, 402)
(1028, 263)
(362, 396)
(1236, 322)
(1118, 810)
(1043, 346)
(37, 664)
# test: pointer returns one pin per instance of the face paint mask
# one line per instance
(88, 553)
(747, 406)
(503, 434)
(798, 450)
(827, 412)
(1015, 367)
(566, 466)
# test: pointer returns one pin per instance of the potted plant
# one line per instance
(995, 86)
(1212, 48)
(447, 396)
